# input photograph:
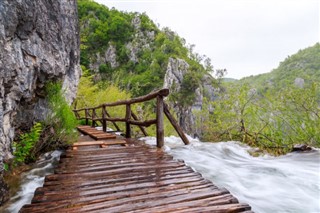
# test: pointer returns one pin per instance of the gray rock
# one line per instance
(136, 22)
(110, 56)
(140, 42)
(39, 42)
(173, 79)
(301, 148)
(299, 82)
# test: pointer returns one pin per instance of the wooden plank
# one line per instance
(123, 196)
(88, 143)
(83, 182)
(103, 137)
(102, 183)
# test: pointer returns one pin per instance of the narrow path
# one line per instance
(117, 175)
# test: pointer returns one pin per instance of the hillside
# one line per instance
(305, 64)
(271, 111)
(129, 51)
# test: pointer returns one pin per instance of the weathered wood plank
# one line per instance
(106, 174)
(92, 143)
(147, 193)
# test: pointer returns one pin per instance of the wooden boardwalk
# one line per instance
(123, 175)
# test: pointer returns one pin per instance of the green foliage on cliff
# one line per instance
(24, 150)
(142, 50)
(61, 121)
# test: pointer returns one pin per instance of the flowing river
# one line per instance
(31, 180)
(289, 183)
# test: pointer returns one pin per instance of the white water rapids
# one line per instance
(289, 183)
(31, 180)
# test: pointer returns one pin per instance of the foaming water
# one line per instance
(33, 179)
(289, 183)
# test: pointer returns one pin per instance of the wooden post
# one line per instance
(104, 121)
(128, 116)
(159, 125)
(175, 125)
(93, 117)
(86, 113)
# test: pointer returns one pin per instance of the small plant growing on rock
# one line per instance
(23, 150)
(60, 121)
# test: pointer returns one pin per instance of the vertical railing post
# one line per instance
(159, 125)
(104, 121)
(128, 116)
(93, 117)
(87, 119)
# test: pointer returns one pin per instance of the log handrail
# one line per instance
(162, 92)
(161, 109)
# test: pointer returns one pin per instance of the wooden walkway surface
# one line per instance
(117, 175)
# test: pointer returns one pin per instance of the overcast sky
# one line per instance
(247, 37)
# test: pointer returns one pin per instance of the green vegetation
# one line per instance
(274, 116)
(61, 120)
(5, 167)
(24, 149)
(57, 131)
(102, 28)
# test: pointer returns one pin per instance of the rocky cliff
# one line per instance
(39, 42)
(174, 80)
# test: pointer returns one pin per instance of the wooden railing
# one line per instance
(90, 114)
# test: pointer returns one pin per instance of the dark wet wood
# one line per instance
(95, 134)
(159, 125)
(150, 96)
(135, 178)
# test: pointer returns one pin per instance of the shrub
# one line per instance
(24, 149)
(61, 119)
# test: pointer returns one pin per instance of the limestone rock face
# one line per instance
(141, 40)
(110, 56)
(173, 80)
(39, 42)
